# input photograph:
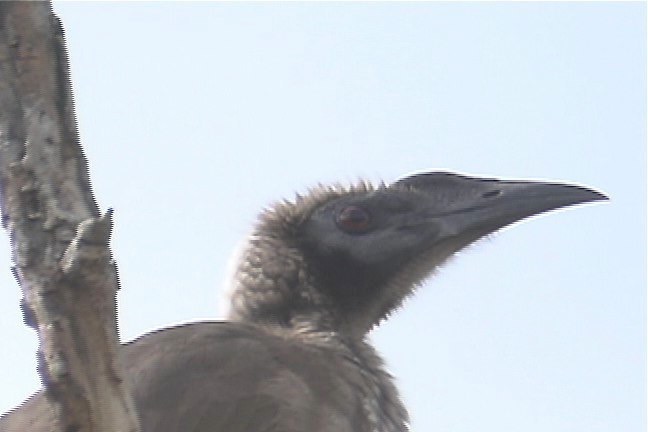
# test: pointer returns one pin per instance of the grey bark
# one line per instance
(59, 239)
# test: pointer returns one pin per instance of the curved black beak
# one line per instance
(469, 207)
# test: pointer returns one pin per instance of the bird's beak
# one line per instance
(467, 208)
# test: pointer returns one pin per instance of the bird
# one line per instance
(316, 275)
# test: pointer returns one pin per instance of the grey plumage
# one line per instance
(316, 276)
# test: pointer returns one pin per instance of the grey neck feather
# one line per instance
(274, 289)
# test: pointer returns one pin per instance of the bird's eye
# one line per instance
(353, 219)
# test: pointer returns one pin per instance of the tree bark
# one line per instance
(59, 240)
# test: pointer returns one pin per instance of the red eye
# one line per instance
(353, 219)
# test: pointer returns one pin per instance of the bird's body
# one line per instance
(316, 276)
(250, 380)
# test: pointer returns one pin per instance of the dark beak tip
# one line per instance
(593, 195)
(578, 195)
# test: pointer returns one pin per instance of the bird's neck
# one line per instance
(273, 286)
(274, 290)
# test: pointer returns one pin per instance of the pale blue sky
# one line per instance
(195, 116)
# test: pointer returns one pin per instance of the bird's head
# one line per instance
(362, 250)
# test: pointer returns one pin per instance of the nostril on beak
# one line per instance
(492, 193)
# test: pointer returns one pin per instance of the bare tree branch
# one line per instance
(59, 240)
